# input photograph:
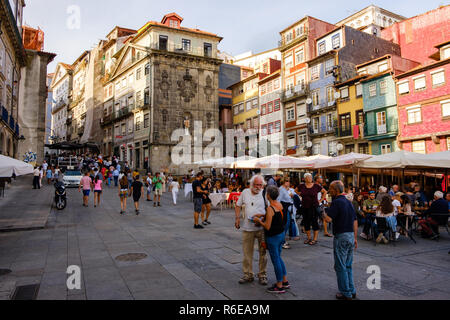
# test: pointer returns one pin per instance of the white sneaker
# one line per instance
(363, 235)
(397, 235)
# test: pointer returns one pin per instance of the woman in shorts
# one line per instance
(206, 206)
(123, 193)
(97, 190)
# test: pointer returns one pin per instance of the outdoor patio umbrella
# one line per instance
(283, 162)
(405, 159)
(341, 161)
(10, 166)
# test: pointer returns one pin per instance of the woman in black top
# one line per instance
(206, 186)
(136, 189)
(275, 238)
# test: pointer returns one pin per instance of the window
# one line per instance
(419, 146)
(147, 69)
(299, 56)
(382, 67)
(438, 78)
(248, 123)
(264, 130)
(359, 117)
(321, 47)
(383, 87)
(130, 126)
(403, 87)
(329, 64)
(314, 72)
(138, 123)
(381, 122)
(124, 82)
(255, 123)
(266, 68)
(419, 83)
(414, 114)
(330, 122)
(363, 148)
(276, 84)
(241, 108)
(373, 90)
(269, 86)
(330, 94)
(301, 110)
(248, 105)
(302, 138)
(276, 105)
(362, 71)
(270, 107)
(290, 139)
(138, 96)
(147, 97)
(344, 93)
(138, 74)
(146, 120)
(163, 43)
(130, 79)
(359, 91)
(236, 110)
(186, 44)
(288, 63)
(315, 97)
(270, 128)
(290, 115)
(445, 108)
(278, 126)
(263, 109)
(315, 123)
(207, 48)
(336, 41)
(124, 130)
(316, 149)
(263, 89)
(385, 148)
(332, 147)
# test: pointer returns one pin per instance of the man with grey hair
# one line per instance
(438, 212)
(382, 192)
(345, 230)
(252, 202)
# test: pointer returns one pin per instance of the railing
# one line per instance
(176, 48)
(321, 107)
(323, 130)
(341, 132)
(283, 42)
(294, 92)
(388, 128)
(59, 104)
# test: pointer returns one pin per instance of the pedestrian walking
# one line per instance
(174, 187)
(85, 185)
(158, 185)
(97, 184)
(36, 174)
(206, 201)
(116, 174)
(285, 198)
(149, 185)
(345, 230)
(41, 175)
(251, 203)
(198, 199)
(49, 175)
(123, 193)
(275, 235)
(137, 188)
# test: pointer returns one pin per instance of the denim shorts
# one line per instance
(198, 202)
(86, 193)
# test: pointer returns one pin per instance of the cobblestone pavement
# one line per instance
(183, 263)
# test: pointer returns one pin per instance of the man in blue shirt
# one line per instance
(345, 228)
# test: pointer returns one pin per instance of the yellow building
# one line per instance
(245, 103)
(350, 131)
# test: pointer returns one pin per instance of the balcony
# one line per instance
(295, 92)
(381, 131)
(322, 131)
(298, 37)
(343, 132)
(122, 113)
(179, 49)
(61, 103)
(142, 105)
(106, 120)
(322, 107)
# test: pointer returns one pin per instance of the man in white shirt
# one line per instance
(174, 186)
(36, 177)
(45, 166)
(254, 203)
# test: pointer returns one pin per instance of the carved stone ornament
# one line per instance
(187, 87)
(208, 88)
(164, 86)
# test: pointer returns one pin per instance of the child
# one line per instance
(137, 188)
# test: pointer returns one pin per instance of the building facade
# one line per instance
(61, 87)
(297, 46)
(12, 59)
(424, 105)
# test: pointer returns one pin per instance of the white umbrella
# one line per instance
(8, 166)
(341, 161)
(404, 159)
(282, 162)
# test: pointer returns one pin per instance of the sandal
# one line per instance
(307, 241)
(328, 235)
(312, 242)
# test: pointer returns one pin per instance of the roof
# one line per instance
(329, 32)
(66, 66)
(326, 54)
(150, 24)
(80, 57)
(377, 75)
(271, 76)
(295, 23)
(374, 60)
(354, 79)
(253, 76)
(381, 9)
(173, 14)
(442, 44)
(421, 68)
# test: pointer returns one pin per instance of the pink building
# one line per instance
(423, 96)
(418, 35)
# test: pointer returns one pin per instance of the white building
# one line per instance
(61, 87)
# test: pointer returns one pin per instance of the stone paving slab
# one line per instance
(184, 263)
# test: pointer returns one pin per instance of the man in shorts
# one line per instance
(198, 199)
(157, 182)
(85, 183)
(137, 188)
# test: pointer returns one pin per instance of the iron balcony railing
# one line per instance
(294, 92)
(189, 50)
(391, 127)
(303, 32)
(323, 130)
(343, 132)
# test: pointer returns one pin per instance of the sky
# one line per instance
(245, 25)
